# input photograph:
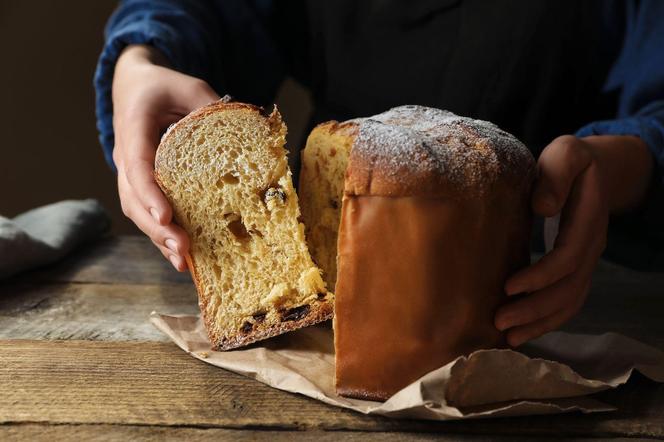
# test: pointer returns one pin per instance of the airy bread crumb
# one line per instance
(324, 162)
(224, 170)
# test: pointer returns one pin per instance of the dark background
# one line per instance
(50, 149)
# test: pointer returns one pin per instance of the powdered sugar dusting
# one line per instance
(426, 142)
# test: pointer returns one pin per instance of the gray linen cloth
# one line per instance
(46, 234)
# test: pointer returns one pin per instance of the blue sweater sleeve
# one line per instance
(637, 239)
(638, 75)
(227, 43)
(184, 31)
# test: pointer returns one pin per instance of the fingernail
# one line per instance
(175, 261)
(171, 245)
(154, 214)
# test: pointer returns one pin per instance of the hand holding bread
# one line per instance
(577, 180)
(582, 180)
(224, 170)
(147, 98)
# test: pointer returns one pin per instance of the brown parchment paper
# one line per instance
(553, 374)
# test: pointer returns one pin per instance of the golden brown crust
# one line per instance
(449, 197)
(419, 151)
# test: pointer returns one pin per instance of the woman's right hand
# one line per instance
(147, 98)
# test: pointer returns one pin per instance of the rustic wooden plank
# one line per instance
(84, 382)
(92, 433)
(113, 260)
(621, 300)
(90, 311)
(41, 307)
(631, 305)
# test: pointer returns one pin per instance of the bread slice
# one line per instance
(224, 170)
(324, 161)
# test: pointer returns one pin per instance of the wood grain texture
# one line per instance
(63, 390)
(106, 291)
(143, 383)
(94, 433)
(91, 311)
(129, 259)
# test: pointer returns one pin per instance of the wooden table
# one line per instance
(79, 361)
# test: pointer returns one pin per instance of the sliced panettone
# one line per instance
(427, 214)
(224, 170)
(324, 162)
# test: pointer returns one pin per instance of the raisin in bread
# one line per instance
(223, 168)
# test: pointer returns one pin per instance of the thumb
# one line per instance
(560, 163)
(204, 95)
(194, 94)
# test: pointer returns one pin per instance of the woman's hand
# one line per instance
(582, 180)
(147, 98)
